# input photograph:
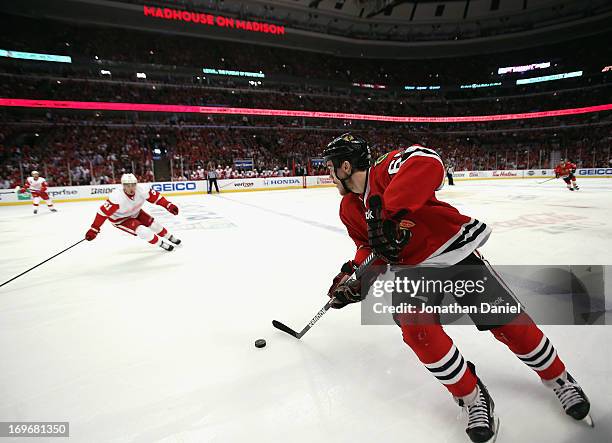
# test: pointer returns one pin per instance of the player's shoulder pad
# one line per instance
(420, 151)
(146, 189)
(381, 159)
(115, 195)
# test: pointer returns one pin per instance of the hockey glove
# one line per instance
(347, 293)
(172, 209)
(386, 237)
(343, 290)
(91, 234)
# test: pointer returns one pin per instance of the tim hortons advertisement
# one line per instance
(507, 173)
(325, 180)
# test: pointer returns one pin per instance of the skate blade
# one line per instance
(589, 420)
(494, 436)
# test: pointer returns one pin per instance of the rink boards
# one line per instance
(192, 187)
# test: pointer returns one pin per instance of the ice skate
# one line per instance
(174, 240)
(166, 246)
(483, 424)
(574, 401)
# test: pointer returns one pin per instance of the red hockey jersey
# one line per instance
(408, 180)
(564, 169)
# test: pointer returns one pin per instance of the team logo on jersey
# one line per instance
(381, 158)
(406, 224)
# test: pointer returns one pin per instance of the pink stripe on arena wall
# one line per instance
(149, 107)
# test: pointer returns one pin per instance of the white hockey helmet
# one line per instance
(128, 179)
(35, 173)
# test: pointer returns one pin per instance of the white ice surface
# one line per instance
(132, 344)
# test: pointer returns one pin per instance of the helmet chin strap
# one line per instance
(343, 180)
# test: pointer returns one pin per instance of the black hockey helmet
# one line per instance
(351, 148)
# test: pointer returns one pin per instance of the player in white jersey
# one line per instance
(38, 188)
(123, 209)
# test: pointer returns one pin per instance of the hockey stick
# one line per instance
(41, 263)
(358, 273)
(539, 183)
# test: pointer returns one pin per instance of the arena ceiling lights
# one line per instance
(523, 68)
(147, 107)
(548, 78)
(422, 88)
(36, 56)
(480, 85)
(229, 72)
(369, 85)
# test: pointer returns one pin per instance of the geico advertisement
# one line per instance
(175, 186)
(594, 171)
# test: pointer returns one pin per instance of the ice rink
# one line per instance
(133, 344)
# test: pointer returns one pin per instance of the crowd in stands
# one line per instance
(54, 88)
(94, 147)
(99, 154)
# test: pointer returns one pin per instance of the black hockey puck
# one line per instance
(260, 343)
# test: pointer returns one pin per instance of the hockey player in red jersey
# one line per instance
(566, 169)
(399, 189)
(123, 209)
(38, 188)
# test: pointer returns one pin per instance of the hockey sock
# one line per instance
(531, 346)
(146, 234)
(158, 229)
(440, 356)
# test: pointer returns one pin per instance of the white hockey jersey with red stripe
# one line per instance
(120, 206)
(39, 185)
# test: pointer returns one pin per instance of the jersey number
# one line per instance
(396, 163)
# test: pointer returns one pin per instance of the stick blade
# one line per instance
(282, 327)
